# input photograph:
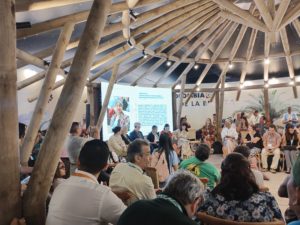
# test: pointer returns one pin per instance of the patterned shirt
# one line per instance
(260, 207)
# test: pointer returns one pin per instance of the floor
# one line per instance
(272, 184)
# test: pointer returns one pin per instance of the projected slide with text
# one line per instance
(127, 105)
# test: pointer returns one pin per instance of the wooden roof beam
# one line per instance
(198, 17)
(32, 5)
(252, 21)
(235, 18)
(280, 14)
(291, 14)
(185, 35)
(206, 34)
(217, 52)
(149, 71)
(265, 13)
(248, 57)
(289, 61)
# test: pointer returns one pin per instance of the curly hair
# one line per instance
(237, 180)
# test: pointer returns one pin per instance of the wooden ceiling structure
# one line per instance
(177, 32)
(174, 32)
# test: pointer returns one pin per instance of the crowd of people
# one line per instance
(99, 182)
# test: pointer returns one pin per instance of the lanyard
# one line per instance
(83, 176)
(135, 167)
(171, 200)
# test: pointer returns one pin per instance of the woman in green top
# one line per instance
(200, 168)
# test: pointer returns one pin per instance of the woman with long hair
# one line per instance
(290, 143)
(237, 196)
(181, 137)
(208, 131)
(164, 159)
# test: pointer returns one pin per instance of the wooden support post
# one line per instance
(221, 104)
(30, 59)
(112, 81)
(266, 103)
(217, 106)
(180, 103)
(91, 101)
(45, 167)
(10, 200)
(45, 93)
(174, 109)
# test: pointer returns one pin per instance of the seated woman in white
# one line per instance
(229, 138)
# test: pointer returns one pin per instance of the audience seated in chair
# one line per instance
(197, 165)
(259, 178)
(271, 142)
(130, 175)
(181, 137)
(81, 199)
(237, 196)
(116, 143)
(253, 140)
(229, 138)
(136, 133)
(166, 130)
(74, 144)
(153, 138)
(176, 205)
(290, 142)
(208, 133)
(164, 159)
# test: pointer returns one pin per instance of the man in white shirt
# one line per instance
(81, 199)
(254, 119)
(130, 176)
(229, 138)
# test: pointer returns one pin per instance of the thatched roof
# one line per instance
(156, 42)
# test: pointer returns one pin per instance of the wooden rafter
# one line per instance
(45, 93)
(289, 61)
(217, 52)
(239, 12)
(265, 13)
(291, 14)
(280, 14)
(248, 57)
(215, 27)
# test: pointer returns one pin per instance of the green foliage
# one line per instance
(278, 106)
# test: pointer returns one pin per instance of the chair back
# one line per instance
(210, 220)
(126, 196)
(152, 173)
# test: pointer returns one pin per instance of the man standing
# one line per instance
(136, 133)
(290, 117)
(81, 199)
(130, 176)
(254, 119)
(271, 141)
